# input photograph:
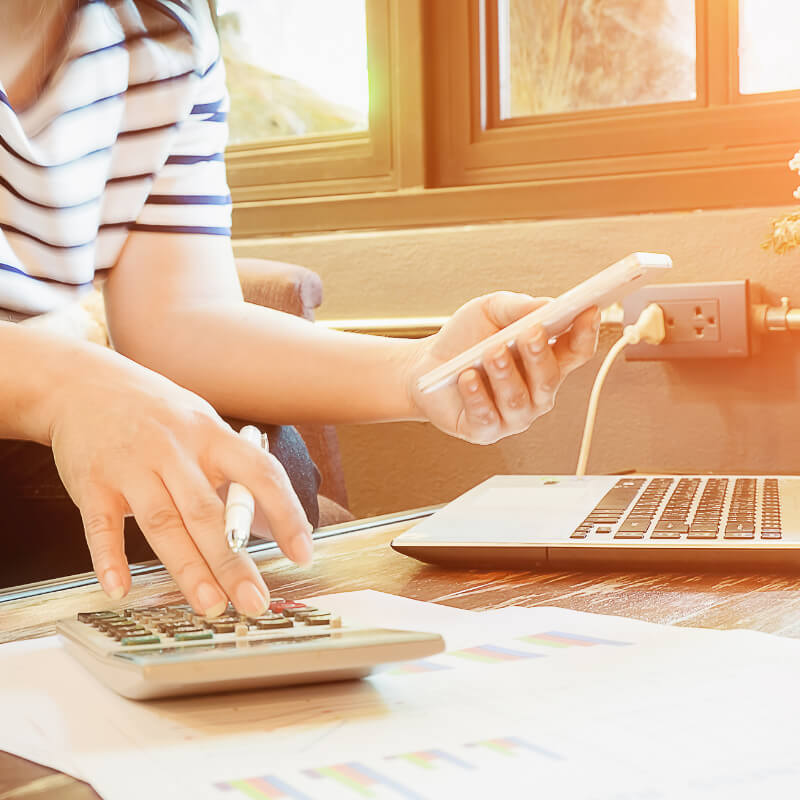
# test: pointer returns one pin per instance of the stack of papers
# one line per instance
(526, 702)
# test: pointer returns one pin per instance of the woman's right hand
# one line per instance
(128, 440)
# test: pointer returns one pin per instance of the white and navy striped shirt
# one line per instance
(127, 134)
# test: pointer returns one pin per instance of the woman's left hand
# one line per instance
(512, 392)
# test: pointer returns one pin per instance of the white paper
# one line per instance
(583, 706)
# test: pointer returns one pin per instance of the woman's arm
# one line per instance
(174, 304)
(127, 440)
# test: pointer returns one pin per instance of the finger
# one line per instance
(503, 308)
(511, 396)
(103, 515)
(269, 484)
(577, 346)
(203, 515)
(480, 422)
(163, 528)
(542, 368)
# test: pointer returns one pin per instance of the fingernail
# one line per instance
(212, 603)
(250, 600)
(112, 584)
(537, 344)
(500, 359)
(301, 549)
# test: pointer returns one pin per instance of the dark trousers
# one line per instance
(41, 532)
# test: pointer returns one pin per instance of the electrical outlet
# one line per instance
(702, 320)
(691, 320)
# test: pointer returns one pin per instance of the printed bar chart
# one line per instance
(492, 654)
(362, 779)
(417, 775)
(562, 639)
(431, 759)
(502, 653)
(514, 746)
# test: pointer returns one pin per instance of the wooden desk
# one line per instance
(363, 560)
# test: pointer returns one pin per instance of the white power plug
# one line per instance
(650, 328)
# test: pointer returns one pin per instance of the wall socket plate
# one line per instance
(702, 320)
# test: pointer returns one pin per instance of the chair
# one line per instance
(297, 290)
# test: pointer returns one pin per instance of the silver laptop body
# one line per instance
(658, 521)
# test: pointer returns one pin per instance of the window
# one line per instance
(321, 102)
(560, 57)
(294, 69)
(535, 108)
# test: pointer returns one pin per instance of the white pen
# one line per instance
(240, 507)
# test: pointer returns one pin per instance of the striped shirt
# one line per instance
(127, 134)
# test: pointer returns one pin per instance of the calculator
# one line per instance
(167, 651)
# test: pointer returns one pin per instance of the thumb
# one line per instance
(503, 308)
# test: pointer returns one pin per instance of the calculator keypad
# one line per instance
(180, 625)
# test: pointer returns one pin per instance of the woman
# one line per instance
(112, 129)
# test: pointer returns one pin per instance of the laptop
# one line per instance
(658, 521)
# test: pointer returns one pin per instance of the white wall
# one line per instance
(737, 415)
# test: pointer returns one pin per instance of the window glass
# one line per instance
(768, 46)
(294, 67)
(574, 55)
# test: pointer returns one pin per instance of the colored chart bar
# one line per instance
(267, 787)
(563, 639)
(492, 653)
(430, 759)
(512, 746)
(359, 778)
(416, 667)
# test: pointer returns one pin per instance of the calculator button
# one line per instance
(273, 623)
(305, 612)
(290, 609)
(193, 636)
(139, 630)
(321, 619)
(223, 627)
(150, 639)
(91, 616)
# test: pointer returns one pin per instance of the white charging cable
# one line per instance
(648, 328)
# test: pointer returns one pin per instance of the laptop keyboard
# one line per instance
(686, 508)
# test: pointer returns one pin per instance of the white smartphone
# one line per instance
(601, 290)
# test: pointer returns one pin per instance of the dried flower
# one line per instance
(786, 230)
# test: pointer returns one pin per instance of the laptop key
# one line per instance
(702, 533)
(671, 526)
(740, 530)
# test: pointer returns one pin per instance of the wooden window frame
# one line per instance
(721, 149)
(461, 163)
(385, 157)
